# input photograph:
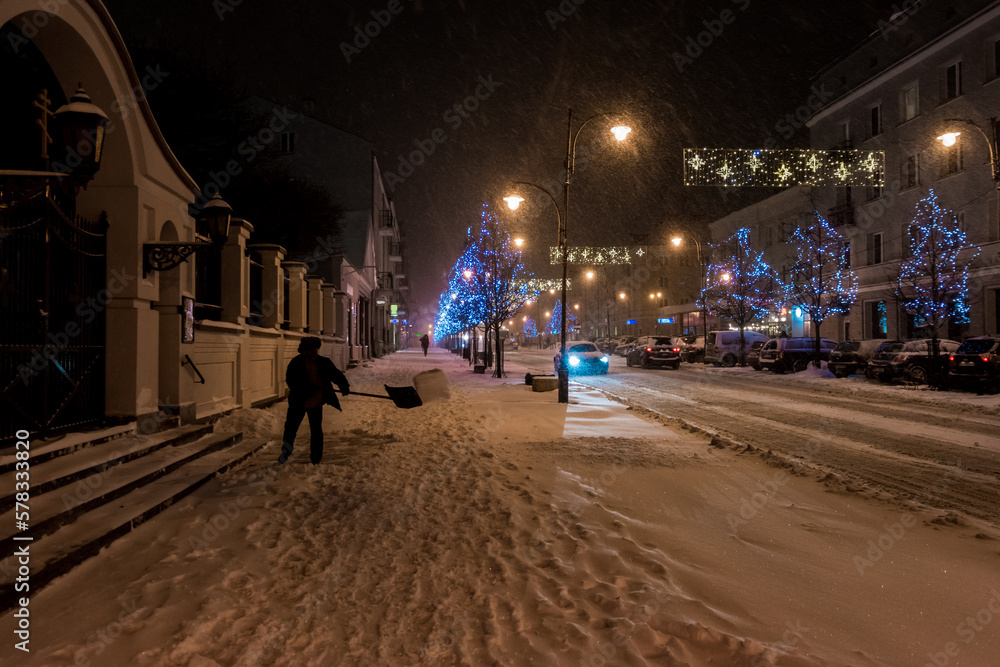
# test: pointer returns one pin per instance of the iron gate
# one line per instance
(53, 299)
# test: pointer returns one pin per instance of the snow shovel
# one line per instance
(403, 397)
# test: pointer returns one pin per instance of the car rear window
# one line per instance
(663, 341)
(977, 346)
(849, 346)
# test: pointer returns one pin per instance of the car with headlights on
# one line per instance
(584, 358)
(649, 351)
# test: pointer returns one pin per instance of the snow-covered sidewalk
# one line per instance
(500, 527)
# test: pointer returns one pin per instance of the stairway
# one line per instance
(87, 491)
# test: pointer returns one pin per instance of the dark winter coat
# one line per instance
(300, 389)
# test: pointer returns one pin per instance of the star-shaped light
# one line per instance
(754, 163)
(814, 162)
(725, 171)
(696, 162)
(783, 172)
(871, 164)
(842, 172)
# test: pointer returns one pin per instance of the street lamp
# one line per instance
(620, 132)
(213, 218)
(949, 138)
(677, 241)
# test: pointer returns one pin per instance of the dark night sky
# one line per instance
(605, 56)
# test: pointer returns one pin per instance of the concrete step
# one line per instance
(62, 504)
(147, 493)
(93, 459)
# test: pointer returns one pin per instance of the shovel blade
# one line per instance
(404, 397)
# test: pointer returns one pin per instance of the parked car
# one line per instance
(723, 347)
(610, 344)
(693, 350)
(584, 359)
(977, 362)
(624, 345)
(915, 361)
(851, 357)
(753, 354)
(649, 351)
(878, 363)
(794, 354)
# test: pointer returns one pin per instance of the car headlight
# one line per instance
(574, 361)
(605, 359)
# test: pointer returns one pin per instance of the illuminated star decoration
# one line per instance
(597, 256)
(743, 167)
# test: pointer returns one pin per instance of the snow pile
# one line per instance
(496, 528)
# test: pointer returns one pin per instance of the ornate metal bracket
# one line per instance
(166, 256)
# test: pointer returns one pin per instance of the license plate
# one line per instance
(966, 363)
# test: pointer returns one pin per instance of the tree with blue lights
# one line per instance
(554, 323)
(821, 280)
(932, 282)
(740, 285)
(530, 328)
(487, 285)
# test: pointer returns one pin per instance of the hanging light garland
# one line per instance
(598, 255)
(778, 168)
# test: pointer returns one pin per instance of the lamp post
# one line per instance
(949, 138)
(677, 241)
(620, 132)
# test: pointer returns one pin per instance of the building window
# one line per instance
(878, 321)
(911, 172)
(875, 248)
(951, 158)
(875, 125)
(287, 142)
(874, 192)
(952, 81)
(992, 59)
(845, 255)
(909, 102)
(845, 132)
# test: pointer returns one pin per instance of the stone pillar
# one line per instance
(314, 304)
(273, 279)
(236, 273)
(329, 311)
(296, 295)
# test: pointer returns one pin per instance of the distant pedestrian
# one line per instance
(310, 379)
(425, 343)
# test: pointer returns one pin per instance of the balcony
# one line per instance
(386, 222)
(384, 280)
(841, 215)
(395, 251)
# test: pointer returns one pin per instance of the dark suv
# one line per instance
(650, 351)
(793, 354)
(977, 362)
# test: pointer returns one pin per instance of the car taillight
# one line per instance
(649, 349)
(953, 359)
(985, 359)
(677, 349)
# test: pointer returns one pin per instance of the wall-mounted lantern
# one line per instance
(213, 217)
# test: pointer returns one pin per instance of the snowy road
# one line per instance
(939, 448)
